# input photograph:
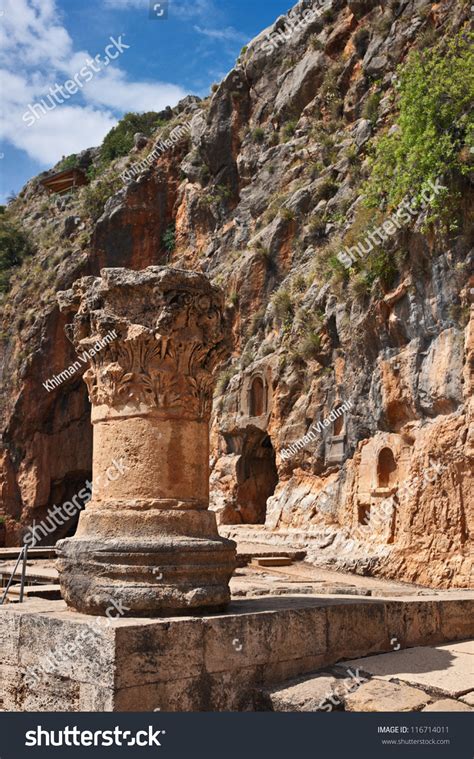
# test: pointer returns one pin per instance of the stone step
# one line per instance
(254, 541)
(40, 575)
(247, 552)
(272, 561)
(51, 592)
(258, 533)
(10, 554)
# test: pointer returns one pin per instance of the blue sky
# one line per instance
(44, 43)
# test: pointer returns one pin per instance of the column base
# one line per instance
(166, 576)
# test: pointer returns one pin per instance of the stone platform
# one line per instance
(54, 659)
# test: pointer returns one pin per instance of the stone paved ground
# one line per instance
(301, 577)
(297, 578)
(425, 678)
(446, 670)
(305, 578)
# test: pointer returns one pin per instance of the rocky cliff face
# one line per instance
(259, 194)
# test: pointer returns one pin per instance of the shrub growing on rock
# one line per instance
(289, 129)
(309, 345)
(434, 125)
(119, 141)
(169, 238)
(370, 110)
(282, 305)
(69, 162)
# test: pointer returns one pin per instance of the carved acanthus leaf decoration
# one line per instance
(168, 343)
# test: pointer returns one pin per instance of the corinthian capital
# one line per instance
(152, 339)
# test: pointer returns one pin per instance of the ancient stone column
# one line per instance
(146, 539)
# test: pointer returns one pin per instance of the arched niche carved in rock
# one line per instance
(387, 470)
(338, 426)
(257, 397)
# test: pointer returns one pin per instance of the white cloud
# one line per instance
(229, 33)
(30, 34)
(15, 91)
(65, 130)
(37, 53)
(114, 91)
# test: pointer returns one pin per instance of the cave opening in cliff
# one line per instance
(65, 494)
(257, 476)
